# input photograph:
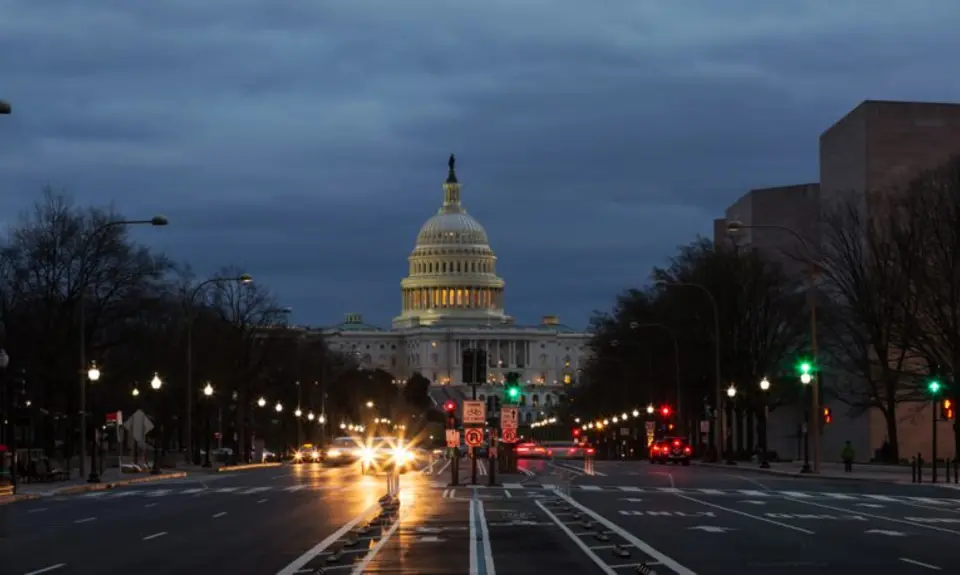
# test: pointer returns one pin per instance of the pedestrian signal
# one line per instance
(946, 411)
(827, 415)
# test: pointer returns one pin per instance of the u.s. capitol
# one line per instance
(452, 302)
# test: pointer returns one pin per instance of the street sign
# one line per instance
(509, 418)
(473, 437)
(453, 438)
(474, 413)
(509, 435)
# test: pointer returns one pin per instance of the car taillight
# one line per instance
(686, 450)
(591, 451)
(676, 443)
(522, 449)
(654, 448)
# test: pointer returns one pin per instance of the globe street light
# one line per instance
(322, 419)
(731, 393)
(650, 409)
(208, 393)
(262, 402)
(297, 413)
(93, 374)
(156, 383)
(310, 416)
(135, 392)
(370, 404)
(764, 387)
(278, 407)
(636, 413)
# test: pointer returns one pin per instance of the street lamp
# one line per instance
(310, 416)
(156, 383)
(370, 404)
(157, 221)
(278, 407)
(813, 423)
(135, 392)
(650, 409)
(297, 413)
(636, 413)
(764, 387)
(322, 419)
(93, 374)
(191, 297)
(208, 393)
(716, 356)
(731, 394)
(262, 402)
(731, 391)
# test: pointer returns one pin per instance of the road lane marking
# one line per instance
(47, 569)
(507, 494)
(86, 520)
(512, 486)
(155, 535)
(474, 563)
(919, 563)
(298, 563)
(149, 505)
(578, 541)
(262, 501)
(362, 565)
(883, 517)
(490, 569)
(219, 515)
(591, 488)
(42, 509)
(677, 568)
(750, 515)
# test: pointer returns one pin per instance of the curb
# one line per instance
(797, 474)
(247, 467)
(91, 487)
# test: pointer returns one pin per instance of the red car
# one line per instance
(670, 449)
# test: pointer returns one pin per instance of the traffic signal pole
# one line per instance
(933, 460)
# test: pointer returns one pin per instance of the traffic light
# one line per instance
(666, 411)
(450, 407)
(827, 415)
(946, 409)
(513, 388)
(576, 432)
(934, 386)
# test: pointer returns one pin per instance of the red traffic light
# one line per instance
(450, 406)
(576, 432)
(665, 411)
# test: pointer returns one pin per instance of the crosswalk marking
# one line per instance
(523, 490)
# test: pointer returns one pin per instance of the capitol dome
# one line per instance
(452, 276)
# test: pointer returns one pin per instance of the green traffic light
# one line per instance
(513, 392)
(805, 367)
(933, 387)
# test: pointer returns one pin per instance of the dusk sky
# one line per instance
(306, 141)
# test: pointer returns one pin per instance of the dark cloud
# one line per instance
(305, 141)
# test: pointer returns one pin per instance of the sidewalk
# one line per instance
(110, 479)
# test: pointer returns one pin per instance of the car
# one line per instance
(306, 454)
(670, 449)
(568, 450)
(385, 454)
(341, 451)
(531, 450)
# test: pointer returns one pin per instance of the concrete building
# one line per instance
(877, 147)
(453, 301)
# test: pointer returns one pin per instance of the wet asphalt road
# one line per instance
(552, 518)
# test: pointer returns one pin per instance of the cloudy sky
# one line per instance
(306, 141)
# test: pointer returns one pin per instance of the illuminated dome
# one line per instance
(453, 275)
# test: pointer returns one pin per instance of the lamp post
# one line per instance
(813, 423)
(8, 420)
(208, 393)
(716, 359)
(156, 221)
(731, 394)
(156, 383)
(676, 359)
(191, 316)
(93, 374)
(764, 388)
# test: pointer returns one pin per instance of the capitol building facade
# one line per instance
(452, 304)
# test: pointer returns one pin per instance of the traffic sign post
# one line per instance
(474, 413)
(473, 437)
(492, 458)
(509, 436)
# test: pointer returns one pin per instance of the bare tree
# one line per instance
(936, 198)
(869, 262)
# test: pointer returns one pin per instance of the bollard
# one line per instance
(956, 476)
(455, 467)
(913, 470)
(919, 468)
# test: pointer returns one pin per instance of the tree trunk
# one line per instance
(893, 437)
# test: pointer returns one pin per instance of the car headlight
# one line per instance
(298, 455)
(401, 455)
(366, 454)
(315, 455)
(334, 453)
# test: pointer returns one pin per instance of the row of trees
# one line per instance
(887, 293)
(74, 284)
